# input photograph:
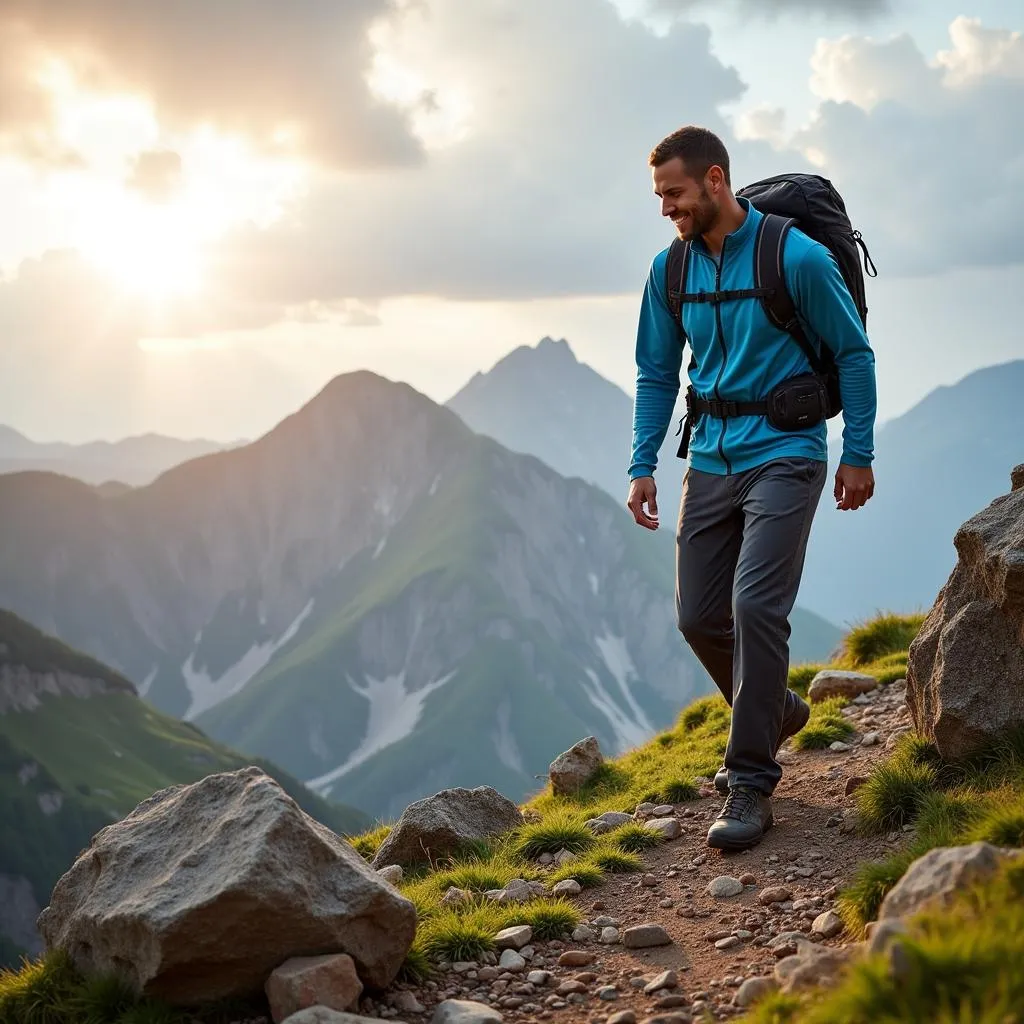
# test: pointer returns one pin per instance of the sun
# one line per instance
(149, 250)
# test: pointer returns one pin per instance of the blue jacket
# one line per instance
(744, 355)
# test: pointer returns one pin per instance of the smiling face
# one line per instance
(691, 205)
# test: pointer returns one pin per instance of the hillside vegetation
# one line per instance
(961, 964)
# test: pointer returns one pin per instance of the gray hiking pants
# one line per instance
(740, 547)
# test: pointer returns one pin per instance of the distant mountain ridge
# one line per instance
(933, 466)
(79, 749)
(131, 461)
(346, 599)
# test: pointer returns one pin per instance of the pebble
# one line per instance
(609, 935)
(724, 886)
(748, 879)
(828, 924)
(839, 747)
(774, 894)
(754, 989)
(512, 961)
(538, 977)
(623, 1017)
(667, 979)
(642, 936)
(514, 938)
(576, 958)
(649, 881)
(727, 943)
(870, 739)
(608, 993)
(567, 887)
(582, 934)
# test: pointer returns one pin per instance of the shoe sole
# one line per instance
(719, 842)
(722, 778)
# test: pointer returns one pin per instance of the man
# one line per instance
(750, 490)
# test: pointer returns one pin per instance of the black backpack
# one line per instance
(811, 203)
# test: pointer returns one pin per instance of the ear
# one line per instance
(714, 180)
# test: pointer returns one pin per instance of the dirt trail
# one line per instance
(811, 851)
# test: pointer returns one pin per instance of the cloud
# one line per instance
(543, 188)
(253, 67)
(156, 174)
(927, 153)
(774, 9)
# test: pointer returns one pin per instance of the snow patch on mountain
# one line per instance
(207, 693)
(616, 656)
(504, 739)
(393, 715)
(628, 732)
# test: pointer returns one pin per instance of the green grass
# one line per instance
(873, 641)
(634, 838)
(587, 873)
(825, 726)
(963, 967)
(556, 832)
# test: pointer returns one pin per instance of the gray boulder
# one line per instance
(440, 824)
(830, 682)
(965, 673)
(575, 767)
(203, 890)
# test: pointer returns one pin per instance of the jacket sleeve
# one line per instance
(826, 306)
(659, 356)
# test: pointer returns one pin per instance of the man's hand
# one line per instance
(643, 491)
(854, 486)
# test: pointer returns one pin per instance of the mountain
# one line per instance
(79, 749)
(371, 594)
(934, 465)
(132, 461)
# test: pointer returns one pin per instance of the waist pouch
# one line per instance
(794, 404)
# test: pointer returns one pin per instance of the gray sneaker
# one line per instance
(743, 821)
(791, 725)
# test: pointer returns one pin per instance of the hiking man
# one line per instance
(751, 489)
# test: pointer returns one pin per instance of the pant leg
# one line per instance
(708, 538)
(778, 501)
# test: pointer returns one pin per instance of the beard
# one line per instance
(700, 218)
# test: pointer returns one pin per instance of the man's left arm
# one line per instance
(826, 306)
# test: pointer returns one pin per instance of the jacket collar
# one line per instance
(738, 238)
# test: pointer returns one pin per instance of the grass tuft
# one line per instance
(100, 1000)
(583, 871)
(894, 794)
(368, 843)
(858, 903)
(616, 861)
(679, 791)
(549, 919)
(881, 636)
(557, 832)
(452, 936)
(416, 968)
(633, 837)
(825, 726)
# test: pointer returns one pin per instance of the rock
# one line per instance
(511, 961)
(574, 768)
(663, 810)
(748, 879)
(514, 938)
(607, 992)
(870, 739)
(204, 889)
(667, 828)
(965, 665)
(665, 980)
(518, 890)
(306, 981)
(727, 943)
(881, 933)
(453, 897)
(811, 965)
(829, 924)
(538, 978)
(840, 747)
(582, 934)
(724, 886)
(323, 1015)
(774, 894)
(623, 1017)
(564, 857)
(831, 682)
(641, 936)
(465, 1011)
(567, 887)
(443, 823)
(406, 1002)
(934, 879)
(609, 935)
(597, 826)
(391, 873)
(575, 958)
(754, 989)
(615, 818)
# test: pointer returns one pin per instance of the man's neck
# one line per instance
(730, 218)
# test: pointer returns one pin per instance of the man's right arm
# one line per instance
(659, 356)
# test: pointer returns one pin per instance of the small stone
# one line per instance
(748, 879)
(828, 924)
(545, 858)
(665, 980)
(582, 934)
(391, 873)
(608, 993)
(839, 747)
(870, 739)
(727, 943)
(567, 988)
(302, 982)
(514, 938)
(576, 958)
(753, 990)
(669, 1002)
(774, 894)
(699, 860)
(667, 903)
(511, 961)
(623, 1017)
(649, 880)
(405, 1001)
(567, 887)
(538, 977)
(609, 935)
(724, 886)
(642, 936)
(465, 1011)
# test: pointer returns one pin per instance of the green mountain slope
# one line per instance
(71, 764)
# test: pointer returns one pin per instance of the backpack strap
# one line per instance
(768, 275)
(676, 265)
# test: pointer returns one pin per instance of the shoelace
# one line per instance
(740, 802)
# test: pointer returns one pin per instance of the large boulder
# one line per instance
(203, 890)
(445, 822)
(965, 673)
(575, 767)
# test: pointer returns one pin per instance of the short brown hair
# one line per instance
(698, 148)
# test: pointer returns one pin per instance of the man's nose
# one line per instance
(668, 207)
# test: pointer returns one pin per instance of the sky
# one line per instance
(210, 210)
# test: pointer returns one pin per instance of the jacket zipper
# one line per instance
(721, 369)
